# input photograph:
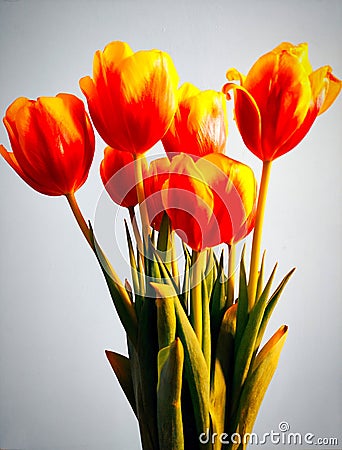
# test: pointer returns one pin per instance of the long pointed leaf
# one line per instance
(270, 307)
(122, 369)
(257, 383)
(195, 367)
(170, 370)
(121, 300)
(242, 309)
(221, 379)
(246, 349)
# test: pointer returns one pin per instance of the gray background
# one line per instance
(57, 390)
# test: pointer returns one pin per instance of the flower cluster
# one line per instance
(194, 360)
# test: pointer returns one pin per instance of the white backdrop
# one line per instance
(57, 390)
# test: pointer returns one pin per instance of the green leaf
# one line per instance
(122, 369)
(170, 370)
(257, 383)
(132, 259)
(260, 284)
(242, 310)
(166, 317)
(164, 240)
(121, 300)
(221, 378)
(246, 349)
(210, 273)
(147, 437)
(217, 303)
(147, 350)
(270, 307)
(195, 367)
(186, 281)
(206, 341)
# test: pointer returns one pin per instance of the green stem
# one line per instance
(196, 296)
(231, 275)
(79, 217)
(257, 235)
(139, 178)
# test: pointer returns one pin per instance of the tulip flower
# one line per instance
(132, 97)
(210, 201)
(280, 98)
(200, 124)
(53, 143)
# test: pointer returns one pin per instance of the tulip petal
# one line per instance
(248, 117)
(234, 188)
(118, 176)
(148, 97)
(158, 174)
(200, 124)
(300, 51)
(325, 88)
(282, 91)
(114, 53)
(188, 201)
(11, 160)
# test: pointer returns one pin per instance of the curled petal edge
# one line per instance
(235, 87)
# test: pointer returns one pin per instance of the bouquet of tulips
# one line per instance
(195, 374)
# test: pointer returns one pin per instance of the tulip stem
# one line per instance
(231, 275)
(79, 217)
(196, 296)
(139, 178)
(257, 235)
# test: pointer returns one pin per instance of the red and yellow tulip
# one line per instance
(132, 97)
(210, 201)
(52, 141)
(280, 98)
(200, 124)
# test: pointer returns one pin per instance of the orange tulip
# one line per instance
(132, 97)
(280, 98)
(200, 124)
(53, 143)
(210, 201)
